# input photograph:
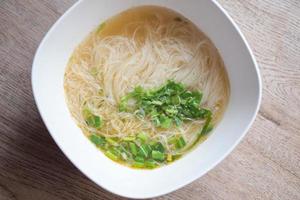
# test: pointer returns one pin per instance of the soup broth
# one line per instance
(146, 86)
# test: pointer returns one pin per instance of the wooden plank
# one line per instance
(266, 165)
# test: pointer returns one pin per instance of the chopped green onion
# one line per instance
(177, 121)
(204, 113)
(206, 128)
(169, 158)
(91, 119)
(145, 150)
(171, 110)
(97, 140)
(156, 121)
(172, 140)
(112, 154)
(165, 122)
(94, 121)
(138, 91)
(158, 147)
(150, 164)
(171, 103)
(143, 136)
(123, 103)
(157, 155)
(112, 141)
(133, 148)
(139, 159)
(175, 100)
(166, 106)
(180, 143)
(138, 164)
(118, 150)
(175, 157)
(159, 103)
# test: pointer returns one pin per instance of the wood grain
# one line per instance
(265, 165)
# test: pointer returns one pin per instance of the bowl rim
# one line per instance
(198, 175)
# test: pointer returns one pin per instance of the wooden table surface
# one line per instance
(265, 165)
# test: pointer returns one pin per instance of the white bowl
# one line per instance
(47, 82)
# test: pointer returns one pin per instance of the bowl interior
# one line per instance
(47, 80)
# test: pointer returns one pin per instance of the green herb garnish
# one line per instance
(158, 147)
(112, 154)
(139, 159)
(133, 148)
(98, 140)
(207, 126)
(145, 150)
(157, 155)
(91, 119)
(143, 137)
(169, 104)
(138, 164)
(180, 143)
(150, 164)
